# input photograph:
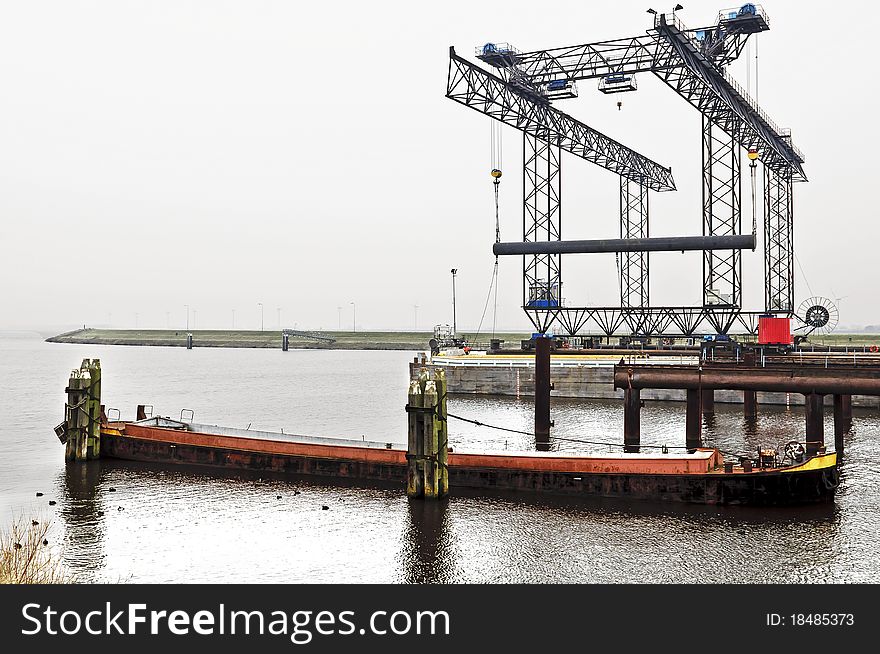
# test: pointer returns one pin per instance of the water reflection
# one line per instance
(81, 511)
(428, 552)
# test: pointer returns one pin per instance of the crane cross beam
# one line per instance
(470, 85)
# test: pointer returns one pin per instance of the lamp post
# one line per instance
(353, 316)
(339, 318)
(454, 326)
(187, 316)
(261, 315)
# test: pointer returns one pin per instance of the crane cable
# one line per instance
(496, 157)
(754, 168)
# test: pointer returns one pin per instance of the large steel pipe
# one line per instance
(824, 381)
(653, 244)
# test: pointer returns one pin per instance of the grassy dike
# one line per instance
(269, 339)
(345, 340)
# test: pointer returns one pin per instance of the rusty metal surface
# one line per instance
(794, 379)
(760, 488)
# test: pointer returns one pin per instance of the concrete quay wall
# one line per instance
(587, 381)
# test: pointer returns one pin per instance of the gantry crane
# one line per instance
(691, 62)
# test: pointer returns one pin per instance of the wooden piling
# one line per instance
(814, 414)
(71, 417)
(694, 420)
(83, 412)
(632, 407)
(93, 443)
(430, 441)
(414, 451)
(442, 425)
(428, 437)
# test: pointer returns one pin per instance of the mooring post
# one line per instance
(285, 339)
(414, 441)
(542, 393)
(632, 406)
(842, 420)
(83, 422)
(707, 400)
(189, 341)
(71, 415)
(814, 412)
(694, 420)
(93, 446)
(430, 436)
(441, 425)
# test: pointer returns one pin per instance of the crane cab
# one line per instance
(559, 89)
(498, 55)
(617, 83)
(747, 19)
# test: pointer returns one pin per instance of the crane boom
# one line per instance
(479, 89)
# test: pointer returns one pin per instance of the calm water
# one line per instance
(185, 524)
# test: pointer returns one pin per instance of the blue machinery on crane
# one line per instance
(692, 63)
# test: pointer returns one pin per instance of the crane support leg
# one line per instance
(542, 222)
(633, 266)
(722, 195)
(778, 241)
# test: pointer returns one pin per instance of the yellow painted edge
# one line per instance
(816, 463)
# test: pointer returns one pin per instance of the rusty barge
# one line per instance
(427, 467)
(697, 477)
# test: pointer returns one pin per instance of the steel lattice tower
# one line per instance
(634, 292)
(542, 221)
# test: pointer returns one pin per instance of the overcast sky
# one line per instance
(219, 154)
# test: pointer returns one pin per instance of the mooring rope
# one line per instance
(578, 440)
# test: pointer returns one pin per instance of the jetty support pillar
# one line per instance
(750, 404)
(542, 393)
(428, 437)
(842, 419)
(814, 412)
(632, 408)
(694, 420)
(708, 400)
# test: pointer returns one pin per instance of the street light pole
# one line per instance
(454, 326)
(261, 315)
(353, 316)
(187, 316)
(339, 318)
